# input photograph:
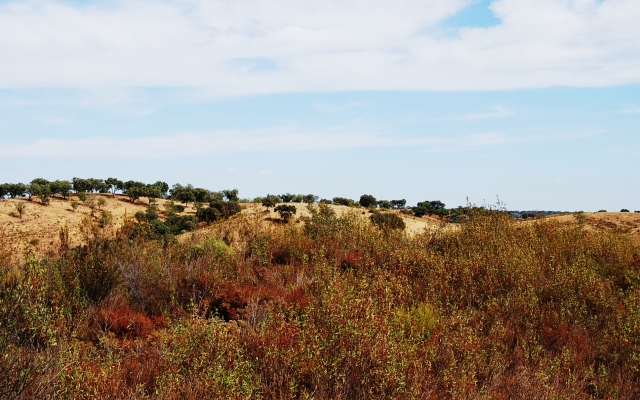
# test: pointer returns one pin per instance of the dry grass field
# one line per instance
(39, 227)
(627, 223)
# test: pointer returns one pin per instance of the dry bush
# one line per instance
(334, 309)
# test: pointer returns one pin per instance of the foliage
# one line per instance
(270, 200)
(286, 211)
(367, 200)
(335, 308)
(430, 207)
(343, 201)
(386, 221)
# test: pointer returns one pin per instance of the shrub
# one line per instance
(624, 210)
(386, 221)
(418, 322)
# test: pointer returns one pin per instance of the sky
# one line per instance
(532, 102)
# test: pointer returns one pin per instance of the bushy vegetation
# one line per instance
(332, 308)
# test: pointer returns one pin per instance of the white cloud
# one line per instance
(630, 110)
(498, 112)
(234, 47)
(265, 173)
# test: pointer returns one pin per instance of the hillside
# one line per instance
(39, 227)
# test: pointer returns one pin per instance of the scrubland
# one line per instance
(328, 308)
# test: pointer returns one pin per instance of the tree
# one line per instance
(270, 201)
(61, 187)
(183, 193)
(14, 190)
(385, 204)
(114, 185)
(286, 211)
(287, 197)
(41, 188)
(231, 195)
(429, 207)
(367, 200)
(343, 201)
(101, 202)
(310, 199)
(135, 193)
(398, 203)
(4, 190)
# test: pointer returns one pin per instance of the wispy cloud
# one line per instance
(630, 110)
(275, 46)
(498, 112)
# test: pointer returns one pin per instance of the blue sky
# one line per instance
(537, 102)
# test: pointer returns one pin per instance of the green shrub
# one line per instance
(386, 221)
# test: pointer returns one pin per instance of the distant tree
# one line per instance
(602, 210)
(135, 193)
(398, 203)
(286, 211)
(343, 201)
(297, 198)
(61, 187)
(207, 215)
(429, 207)
(624, 210)
(287, 197)
(114, 185)
(325, 201)
(82, 196)
(270, 201)
(310, 199)
(201, 195)
(231, 195)
(226, 208)
(17, 190)
(153, 192)
(41, 188)
(163, 188)
(367, 200)
(184, 194)
(4, 190)
(385, 204)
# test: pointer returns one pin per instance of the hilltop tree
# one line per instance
(398, 203)
(343, 201)
(367, 200)
(286, 211)
(114, 185)
(231, 195)
(287, 197)
(270, 200)
(62, 188)
(310, 199)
